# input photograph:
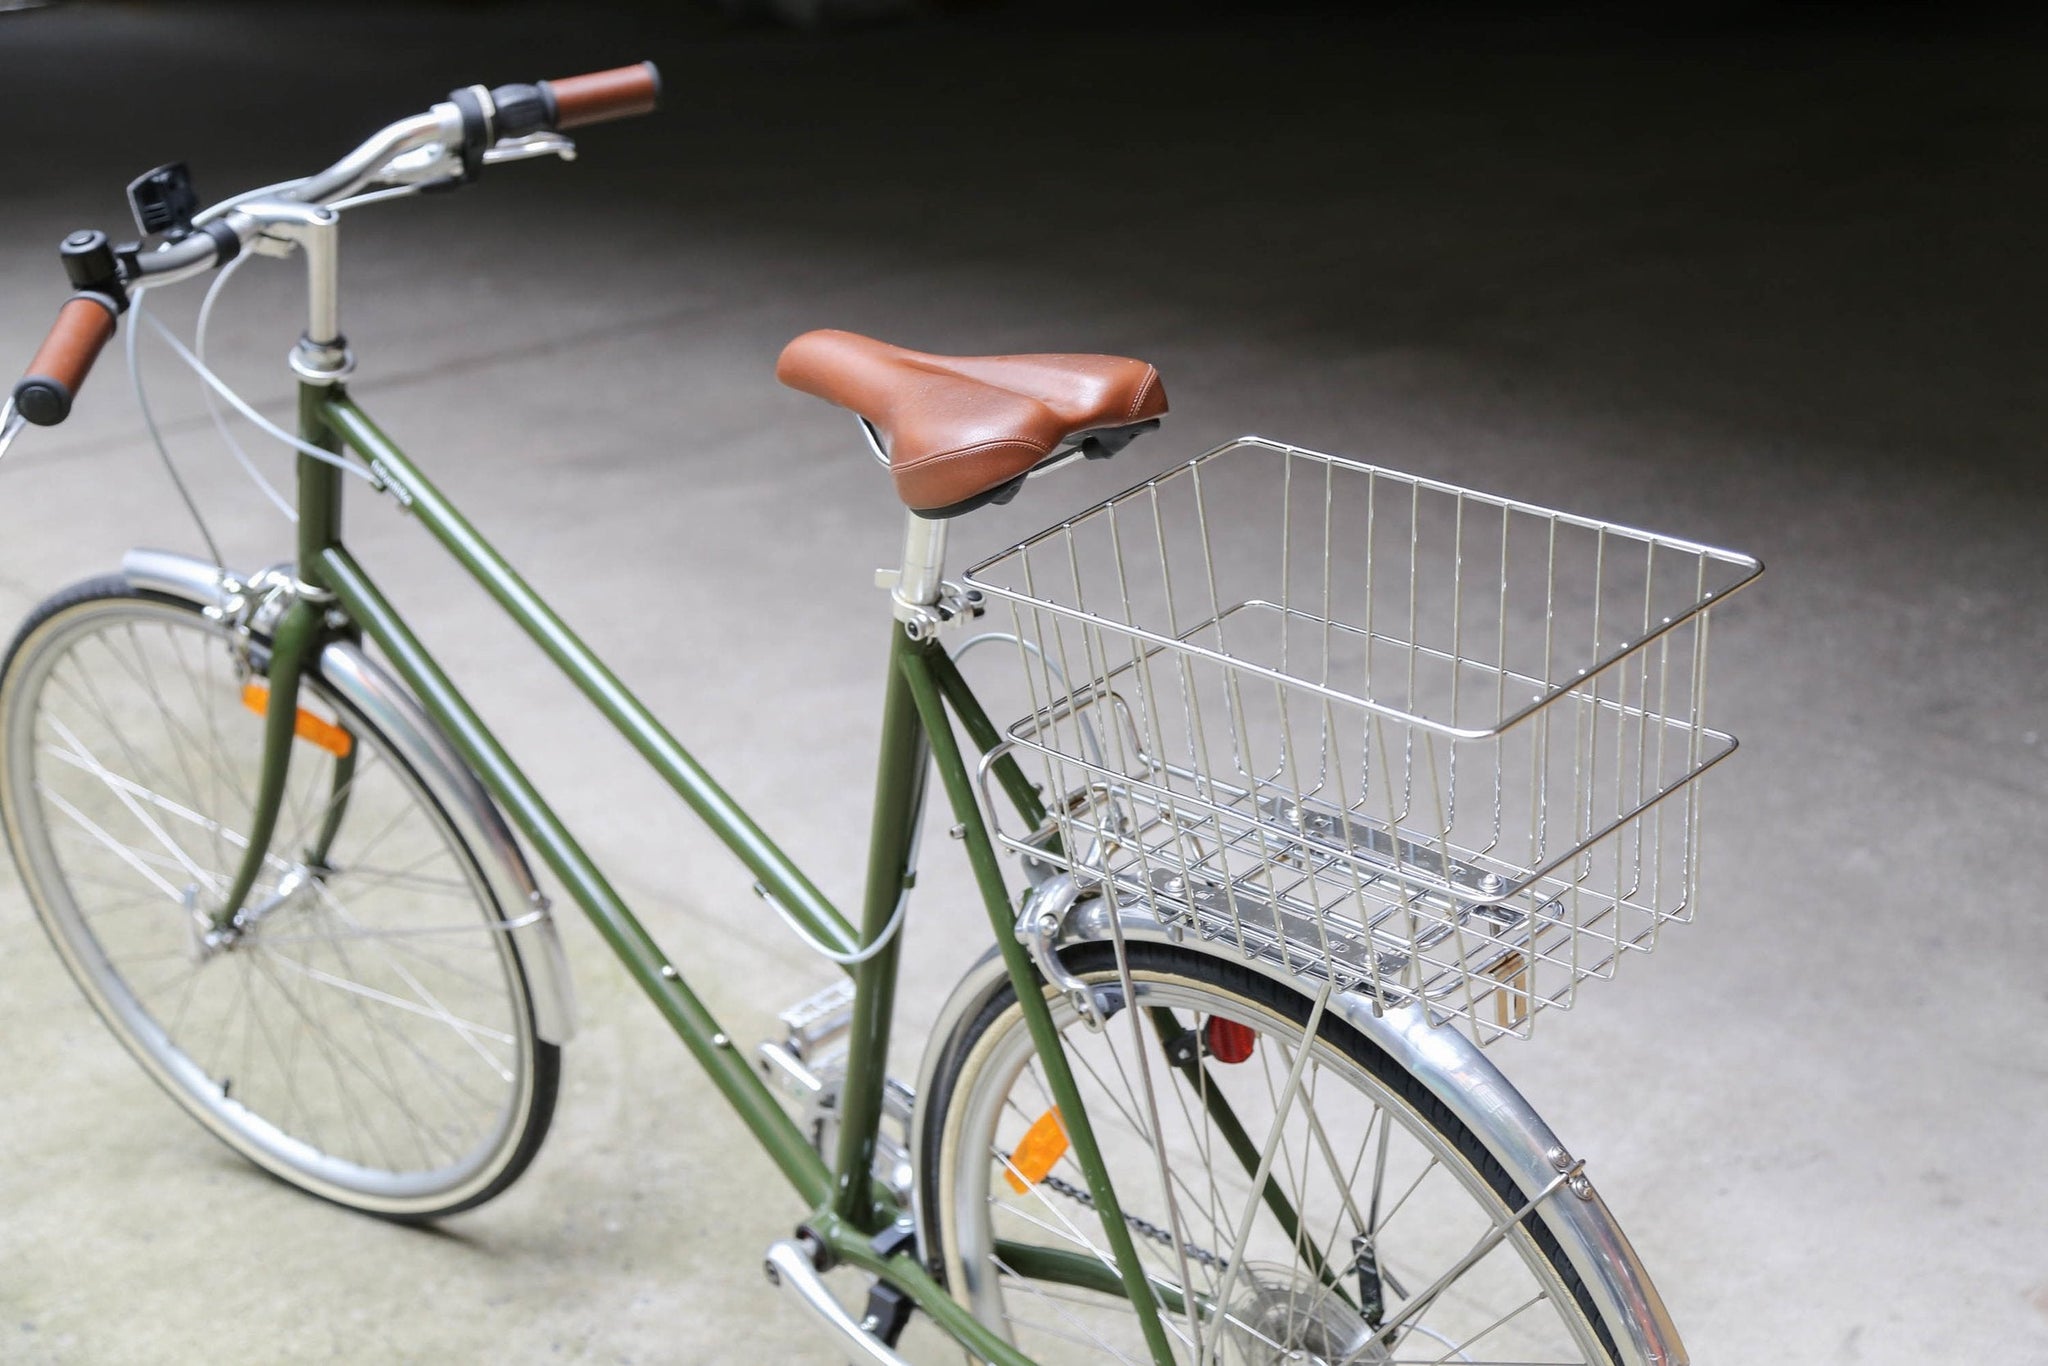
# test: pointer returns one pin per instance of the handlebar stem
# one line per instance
(322, 355)
(197, 254)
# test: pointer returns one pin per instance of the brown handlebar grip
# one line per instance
(84, 325)
(619, 93)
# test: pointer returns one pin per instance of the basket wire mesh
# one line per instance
(1439, 746)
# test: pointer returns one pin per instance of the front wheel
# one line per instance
(1382, 1233)
(367, 1033)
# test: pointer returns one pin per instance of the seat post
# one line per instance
(924, 556)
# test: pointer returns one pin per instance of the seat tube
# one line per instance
(900, 773)
(892, 854)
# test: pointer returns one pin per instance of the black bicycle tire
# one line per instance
(538, 1116)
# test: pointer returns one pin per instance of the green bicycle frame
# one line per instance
(924, 698)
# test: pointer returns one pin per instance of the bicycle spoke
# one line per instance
(357, 1030)
(118, 849)
(469, 1030)
(1255, 1252)
(215, 750)
(442, 1076)
(1252, 1200)
(388, 1085)
(1086, 1338)
(178, 749)
(334, 1056)
(135, 809)
(1458, 1349)
(428, 1003)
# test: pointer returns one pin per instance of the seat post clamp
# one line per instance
(922, 620)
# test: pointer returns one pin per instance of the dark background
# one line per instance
(1768, 276)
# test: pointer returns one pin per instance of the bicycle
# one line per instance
(1215, 1093)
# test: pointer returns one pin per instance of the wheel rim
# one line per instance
(1434, 1207)
(368, 1036)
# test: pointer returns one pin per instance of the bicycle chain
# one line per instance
(1143, 1226)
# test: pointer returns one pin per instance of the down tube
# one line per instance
(643, 958)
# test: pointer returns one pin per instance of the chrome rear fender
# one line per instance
(1454, 1070)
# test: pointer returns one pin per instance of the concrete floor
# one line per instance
(1765, 284)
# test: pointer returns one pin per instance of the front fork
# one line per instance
(295, 643)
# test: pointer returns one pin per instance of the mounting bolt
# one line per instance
(1576, 1180)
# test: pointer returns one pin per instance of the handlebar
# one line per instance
(573, 101)
(85, 324)
(446, 146)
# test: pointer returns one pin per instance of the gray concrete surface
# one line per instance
(1768, 283)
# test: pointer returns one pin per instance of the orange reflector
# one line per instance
(327, 735)
(1043, 1144)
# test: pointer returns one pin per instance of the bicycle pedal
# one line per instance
(808, 1064)
(811, 1056)
(814, 1025)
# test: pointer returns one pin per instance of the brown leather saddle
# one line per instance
(961, 431)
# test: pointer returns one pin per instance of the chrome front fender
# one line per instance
(373, 691)
(1454, 1070)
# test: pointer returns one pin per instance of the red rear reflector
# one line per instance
(1228, 1040)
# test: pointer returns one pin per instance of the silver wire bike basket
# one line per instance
(1424, 742)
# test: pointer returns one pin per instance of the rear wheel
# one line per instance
(1377, 1198)
(368, 1034)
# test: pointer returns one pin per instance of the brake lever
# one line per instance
(435, 161)
(11, 423)
(420, 166)
(532, 145)
(435, 167)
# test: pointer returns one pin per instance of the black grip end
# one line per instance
(42, 400)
